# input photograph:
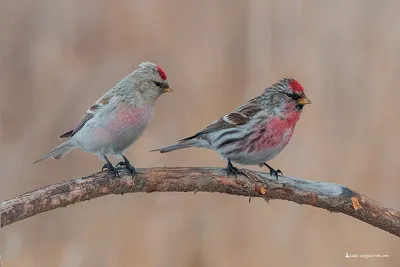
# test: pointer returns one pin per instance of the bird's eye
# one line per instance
(296, 97)
(293, 96)
(158, 84)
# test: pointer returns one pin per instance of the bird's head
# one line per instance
(150, 81)
(286, 94)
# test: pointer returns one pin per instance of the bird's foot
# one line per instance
(110, 169)
(230, 169)
(104, 167)
(128, 167)
(233, 170)
(273, 172)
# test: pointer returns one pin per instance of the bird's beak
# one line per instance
(303, 101)
(168, 90)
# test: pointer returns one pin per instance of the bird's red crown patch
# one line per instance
(161, 73)
(296, 86)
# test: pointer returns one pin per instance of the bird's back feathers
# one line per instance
(241, 116)
(100, 104)
(80, 125)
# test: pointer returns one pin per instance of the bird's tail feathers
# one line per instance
(57, 153)
(181, 144)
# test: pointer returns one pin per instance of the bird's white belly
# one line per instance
(122, 141)
(111, 142)
(256, 158)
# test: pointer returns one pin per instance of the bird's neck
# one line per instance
(292, 117)
(137, 100)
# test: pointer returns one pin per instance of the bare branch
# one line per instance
(332, 197)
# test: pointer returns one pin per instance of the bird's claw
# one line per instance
(230, 169)
(273, 172)
(114, 172)
(111, 170)
(128, 167)
(233, 170)
(104, 167)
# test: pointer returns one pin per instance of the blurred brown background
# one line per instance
(58, 57)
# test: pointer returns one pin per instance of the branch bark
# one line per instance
(332, 197)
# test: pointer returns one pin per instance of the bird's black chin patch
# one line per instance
(298, 107)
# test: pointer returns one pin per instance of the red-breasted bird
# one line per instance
(255, 132)
(118, 118)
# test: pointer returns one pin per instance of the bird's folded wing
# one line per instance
(90, 113)
(240, 116)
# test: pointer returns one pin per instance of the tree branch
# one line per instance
(332, 197)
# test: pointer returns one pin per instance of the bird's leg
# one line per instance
(127, 165)
(272, 171)
(230, 169)
(110, 168)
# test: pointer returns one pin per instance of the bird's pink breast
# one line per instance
(125, 120)
(131, 116)
(274, 132)
(128, 117)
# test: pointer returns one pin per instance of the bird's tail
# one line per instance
(57, 153)
(181, 144)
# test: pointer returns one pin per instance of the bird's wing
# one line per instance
(90, 113)
(240, 116)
